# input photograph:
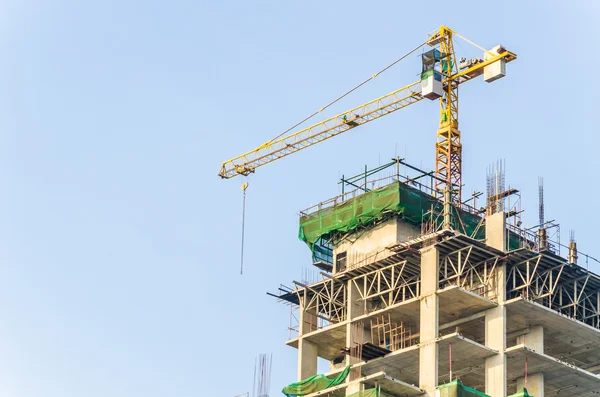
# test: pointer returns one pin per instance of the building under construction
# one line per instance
(415, 294)
(423, 291)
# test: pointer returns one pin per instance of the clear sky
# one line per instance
(119, 245)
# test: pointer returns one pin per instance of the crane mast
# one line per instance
(448, 149)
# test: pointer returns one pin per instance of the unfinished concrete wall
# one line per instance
(406, 231)
(363, 243)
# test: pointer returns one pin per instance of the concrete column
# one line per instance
(495, 231)
(535, 384)
(495, 338)
(534, 339)
(355, 309)
(429, 305)
(307, 351)
(307, 359)
(495, 319)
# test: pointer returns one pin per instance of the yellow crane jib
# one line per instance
(440, 78)
(276, 149)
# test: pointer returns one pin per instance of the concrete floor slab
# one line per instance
(329, 340)
(407, 312)
(456, 303)
(392, 385)
(292, 342)
(560, 378)
(468, 359)
(401, 364)
(565, 339)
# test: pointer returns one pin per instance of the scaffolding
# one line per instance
(390, 335)
(409, 196)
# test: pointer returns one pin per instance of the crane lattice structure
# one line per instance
(448, 163)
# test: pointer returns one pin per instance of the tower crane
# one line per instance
(440, 78)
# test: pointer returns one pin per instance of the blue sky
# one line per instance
(120, 245)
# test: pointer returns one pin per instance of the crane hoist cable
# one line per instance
(348, 92)
(244, 187)
(469, 41)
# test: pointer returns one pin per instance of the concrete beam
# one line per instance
(460, 321)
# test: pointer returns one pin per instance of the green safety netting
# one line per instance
(314, 384)
(369, 393)
(396, 198)
(457, 389)
(521, 393)
(515, 242)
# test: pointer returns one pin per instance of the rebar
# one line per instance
(262, 375)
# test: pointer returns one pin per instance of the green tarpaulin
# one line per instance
(457, 389)
(314, 384)
(521, 393)
(321, 382)
(396, 198)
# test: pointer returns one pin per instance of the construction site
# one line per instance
(423, 291)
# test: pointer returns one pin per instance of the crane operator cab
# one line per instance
(431, 74)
